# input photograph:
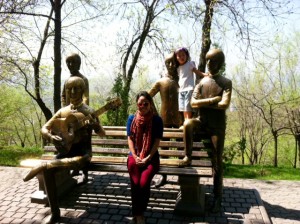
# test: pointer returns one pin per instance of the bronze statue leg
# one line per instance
(217, 163)
(50, 187)
(188, 132)
(71, 163)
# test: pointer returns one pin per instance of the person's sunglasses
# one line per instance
(145, 104)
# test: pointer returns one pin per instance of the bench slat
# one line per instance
(123, 160)
(205, 172)
(120, 133)
(123, 128)
(169, 144)
(120, 142)
(125, 151)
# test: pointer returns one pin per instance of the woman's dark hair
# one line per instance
(144, 94)
(149, 98)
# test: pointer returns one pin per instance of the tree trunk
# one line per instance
(275, 149)
(206, 28)
(57, 55)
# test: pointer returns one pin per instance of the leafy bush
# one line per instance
(12, 155)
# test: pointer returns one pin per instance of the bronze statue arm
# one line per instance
(154, 90)
(63, 97)
(197, 103)
(226, 97)
(85, 96)
(46, 130)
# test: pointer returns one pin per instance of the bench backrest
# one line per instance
(113, 148)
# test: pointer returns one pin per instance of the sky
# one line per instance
(101, 59)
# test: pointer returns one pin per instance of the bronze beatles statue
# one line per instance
(212, 97)
(73, 62)
(167, 86)
(70, 130)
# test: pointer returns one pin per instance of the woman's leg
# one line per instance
(134, 174)
(145, 182)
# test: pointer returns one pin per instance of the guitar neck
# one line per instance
(101, 110)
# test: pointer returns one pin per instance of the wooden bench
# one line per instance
(110, 154)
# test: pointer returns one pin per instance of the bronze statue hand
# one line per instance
(55, 139)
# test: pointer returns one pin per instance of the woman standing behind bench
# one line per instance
(144, 131)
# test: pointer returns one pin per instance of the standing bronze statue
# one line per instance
(168, 86)
(212, 97)
(74, 62)
(70, 130)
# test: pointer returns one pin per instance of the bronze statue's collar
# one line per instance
(75, 107)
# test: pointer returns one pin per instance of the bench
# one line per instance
(110, 154)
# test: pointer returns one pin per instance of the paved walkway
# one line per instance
(106, 199)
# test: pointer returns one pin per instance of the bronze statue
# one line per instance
(212, 97)
(70, 130)
(74, 62)
(167, 86)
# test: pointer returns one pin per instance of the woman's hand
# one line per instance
(142, 162)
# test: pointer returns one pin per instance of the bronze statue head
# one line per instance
(215, 58)
(170, 63)
(73, 62)
(74, 89)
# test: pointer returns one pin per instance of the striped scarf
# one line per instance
(141, 130)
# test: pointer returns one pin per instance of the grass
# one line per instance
(11, 156)
(261, 172)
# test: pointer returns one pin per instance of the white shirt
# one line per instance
(186, 76)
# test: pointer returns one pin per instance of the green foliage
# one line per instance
(12, 155)
(230, 153)
(261, 172)
(119, 117)
(20, 120)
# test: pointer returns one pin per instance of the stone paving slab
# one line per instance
(106, 199)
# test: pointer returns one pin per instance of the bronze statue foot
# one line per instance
(217, 205)
(53, 218)
(34, 171)
(161, 181)
(186, 161)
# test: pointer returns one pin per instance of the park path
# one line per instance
(106, 199)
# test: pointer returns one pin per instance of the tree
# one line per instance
(241, 21)
(20, 40)
(145, 31)
(273, 89)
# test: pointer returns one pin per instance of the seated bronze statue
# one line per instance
(212, 97)
(70, 130)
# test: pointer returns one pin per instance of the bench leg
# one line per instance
(191, 198)
(64, 182)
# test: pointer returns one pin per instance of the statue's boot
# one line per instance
(186, 161)
(217, 205)
(53, 218)
(34, 171)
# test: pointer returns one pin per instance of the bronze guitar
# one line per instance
(66, 127)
